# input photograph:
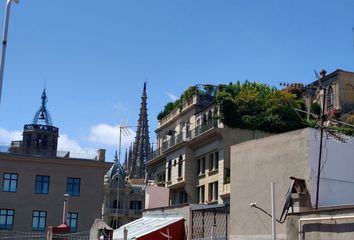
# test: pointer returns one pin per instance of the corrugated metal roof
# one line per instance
(144, 225)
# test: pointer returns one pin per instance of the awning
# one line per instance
(153, 228)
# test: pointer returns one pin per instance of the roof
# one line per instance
(144, 226)
(100, 224)
(114, 169)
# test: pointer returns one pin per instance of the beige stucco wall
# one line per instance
(340, 228)
(254, 165)
(24, 201)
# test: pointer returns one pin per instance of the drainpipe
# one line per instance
(320, 219)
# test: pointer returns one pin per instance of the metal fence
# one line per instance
(17, 235)
(210, 223)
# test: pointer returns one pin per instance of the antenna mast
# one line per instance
(4, 41)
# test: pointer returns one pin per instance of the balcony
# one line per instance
(183, 137)
(135, 213)
(115, 212)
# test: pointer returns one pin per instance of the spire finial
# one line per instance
(43, 114)
(144, 90)
(116, 156)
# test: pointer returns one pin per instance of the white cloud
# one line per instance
(64, 142)
(172, 96)
(109, 135)
(7, 136)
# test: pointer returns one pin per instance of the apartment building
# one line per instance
(192, 158)
(34, 176)
(33, 188)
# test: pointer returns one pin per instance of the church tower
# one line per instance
(141, 146)
(40, 137)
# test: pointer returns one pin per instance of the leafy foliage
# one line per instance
(257, 106)
(190, 92)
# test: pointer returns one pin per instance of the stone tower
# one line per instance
(40, 137)
(141, 145)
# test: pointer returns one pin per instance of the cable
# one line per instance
(264, 211)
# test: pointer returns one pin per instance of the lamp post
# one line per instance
(65, 207)
(4, 41)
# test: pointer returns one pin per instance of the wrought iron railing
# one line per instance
(117, 211)
(181, 137)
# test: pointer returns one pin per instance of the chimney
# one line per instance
(101, 155)
(323, 73)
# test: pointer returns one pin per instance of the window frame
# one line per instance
(39, 218)
(70, 186)
(69, 220)
(10, 182)
(136, 205)
(42, 185)
(180, 166)
(201, 194)
(7, 216)
(169, 170)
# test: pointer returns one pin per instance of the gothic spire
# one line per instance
(141, 146)
(42, 115)
(116, 157)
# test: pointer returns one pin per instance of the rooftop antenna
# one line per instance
(4, 41)
(321, 122)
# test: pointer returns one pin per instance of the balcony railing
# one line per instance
(185, 136)
(116, 211)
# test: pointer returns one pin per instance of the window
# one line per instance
(211, 162)
(7, 218)
(180, 165)
(216, 160)
(135, 205)
(330, 97)
(169, 170)
(39, 220)
(42, 184)
(10, 182)
(198, 166)
(161, 178)
(202, 171)
(201, 191)
(182, 197)
(73, 186)
(213, 191)
(71, 220)
(115, 204)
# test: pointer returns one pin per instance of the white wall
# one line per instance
(337, 175)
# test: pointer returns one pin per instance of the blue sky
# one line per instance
(94, 56)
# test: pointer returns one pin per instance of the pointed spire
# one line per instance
(116, 157)
(43, 114)
(141, 146)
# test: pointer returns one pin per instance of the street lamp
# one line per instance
(4, 41)
(65, 207)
